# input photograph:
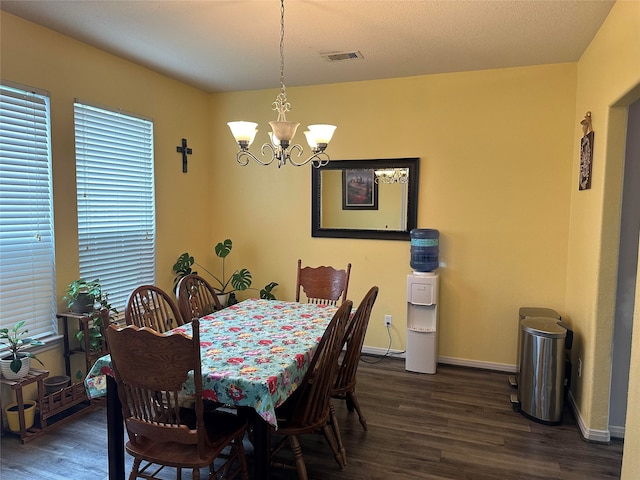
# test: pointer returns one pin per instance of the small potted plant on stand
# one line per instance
(81, 295)
(15, 366)
(96, 300)
(226, 287)
(17, 363)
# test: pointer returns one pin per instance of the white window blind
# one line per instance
(116, 202)
(27, 261)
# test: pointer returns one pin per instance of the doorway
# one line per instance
(627, 268)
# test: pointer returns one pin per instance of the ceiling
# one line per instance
(228, 45)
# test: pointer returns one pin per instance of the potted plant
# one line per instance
(17, 363)
(226, 286)
(11, 411)
(98, 300)
(81, 295)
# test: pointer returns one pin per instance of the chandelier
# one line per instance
(392, 175)
(283, 131)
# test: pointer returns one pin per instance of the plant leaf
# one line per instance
(31, 355)
(17, 326)
(266, 294)
(241, 280)
(184, 263)
(223, 249)
(16, 365)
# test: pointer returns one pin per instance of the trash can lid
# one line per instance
(543, 327)
(538, 312)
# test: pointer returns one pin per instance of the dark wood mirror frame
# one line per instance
(412, 164)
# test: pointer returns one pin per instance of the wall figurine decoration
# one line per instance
(184, 150)
(586, 153)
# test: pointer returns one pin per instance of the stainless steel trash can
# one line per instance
(523, 313)
(542, 369)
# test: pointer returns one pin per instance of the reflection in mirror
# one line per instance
(365, 199)
(392, 175)
(390, 213)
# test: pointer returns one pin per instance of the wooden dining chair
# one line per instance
(150, 306)
(196, 297)
(307, 410)
(322, 284)
(345, 386)
(150, 370)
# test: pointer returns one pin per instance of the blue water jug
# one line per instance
(424, 249)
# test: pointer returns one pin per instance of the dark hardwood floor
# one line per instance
(456, 424)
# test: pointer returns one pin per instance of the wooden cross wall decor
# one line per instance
(184, 150)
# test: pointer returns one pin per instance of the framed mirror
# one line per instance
(365, 199)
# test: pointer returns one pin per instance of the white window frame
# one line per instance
(115, 199)
(27, 246)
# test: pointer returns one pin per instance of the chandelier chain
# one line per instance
(282, 88)
(281, 104)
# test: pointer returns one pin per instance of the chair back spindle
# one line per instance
(150, 306)
(354, 338)
(196, 297)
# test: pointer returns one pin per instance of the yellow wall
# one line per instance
(68, 69)
(495, 179)
(608, 81)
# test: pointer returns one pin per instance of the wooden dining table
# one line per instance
(254, 354)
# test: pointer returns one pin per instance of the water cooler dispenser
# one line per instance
(422, 322)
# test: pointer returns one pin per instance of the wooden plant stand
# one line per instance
(50, 405)
(59, 404)
(16, 385)
(84, 323)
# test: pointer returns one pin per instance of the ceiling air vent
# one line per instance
(340, 56)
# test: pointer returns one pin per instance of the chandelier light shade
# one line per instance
(282, 131)
(244, 132)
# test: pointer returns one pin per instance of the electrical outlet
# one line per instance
(387, 321)
(579, 367)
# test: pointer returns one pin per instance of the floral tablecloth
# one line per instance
(253, 354)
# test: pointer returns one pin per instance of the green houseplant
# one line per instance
(224, 285)
(81, 295)
(13, 363)
(96, 300)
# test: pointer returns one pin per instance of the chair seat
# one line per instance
(183, 455)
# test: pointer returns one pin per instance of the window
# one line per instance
(115, 195)
(27, 261)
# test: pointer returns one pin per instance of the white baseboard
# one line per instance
(463, 362)
(382, 351)
(591, 435)
(501, 367)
